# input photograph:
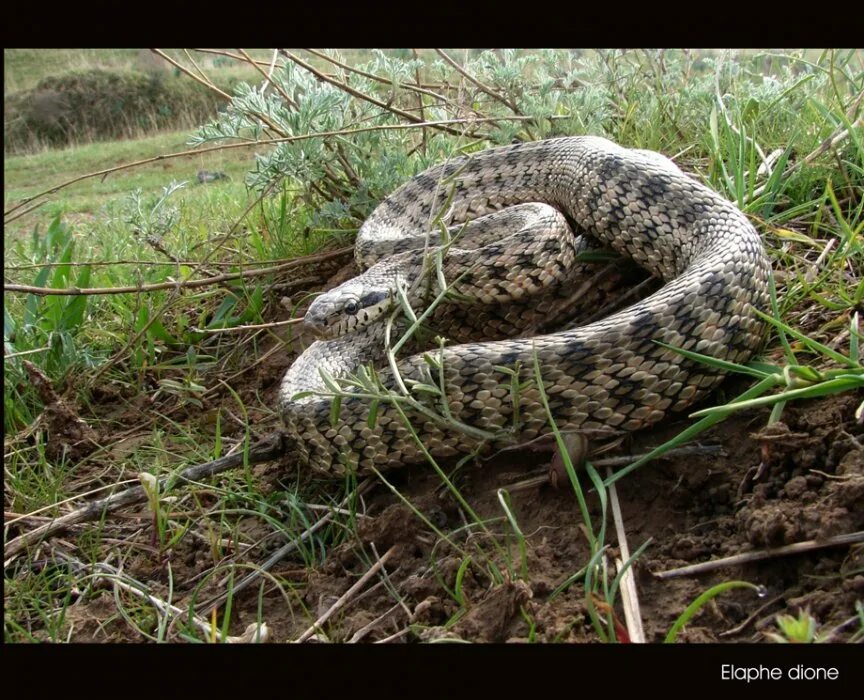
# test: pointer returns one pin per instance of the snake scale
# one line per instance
(610, 374)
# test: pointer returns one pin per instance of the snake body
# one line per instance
(611, 374)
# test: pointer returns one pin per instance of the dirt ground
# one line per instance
(694, 509)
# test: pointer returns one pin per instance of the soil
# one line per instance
(799, 480)
(694, 509)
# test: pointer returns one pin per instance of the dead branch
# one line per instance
(285, 549)
(510, 104)
(339, 604)
(269, 448)
(285, 96)
(361, 95)
(759, 555)
(385, 81)
(629, 595)
(253, 144)
(188, 284)
(201, 80)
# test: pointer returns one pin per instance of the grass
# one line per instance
(163, 389)
(24, 68)
(85, 201)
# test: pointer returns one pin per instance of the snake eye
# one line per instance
(352, 307)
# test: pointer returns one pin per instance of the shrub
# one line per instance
(99, 104)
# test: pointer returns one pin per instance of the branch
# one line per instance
(474, 81)
(146, 288)
(339, 604)
(286, 549)
(285, 96)
(197, 79)
(265, 450)
(381, 79)
(224, 95)
(836, 138)
(747, 557)
(300, 137)
(360, 95)
(134, 340)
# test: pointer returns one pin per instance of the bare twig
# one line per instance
(25, 211)
(629, 595)
(393, 637)
(254, 64)
(366, 629)
(251, 327)
(142, 263)
(740, 628)
(145, 288)
(385, 81)
(759, 555)
(836, 138)
(7, 356)
(268, 448)
(197, 79)
(238, 57)
(285, 550)
(340, 603)
(257, 144)
(543, 476)
(685, 451)
(105, 573)
(482, 86)
(157, 314)
(361, 95)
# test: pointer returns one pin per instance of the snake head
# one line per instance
(347, 308)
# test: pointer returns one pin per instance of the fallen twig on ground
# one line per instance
(339, 604)
(284, 550)
(266, 449)
(759, 555)
(629, 596)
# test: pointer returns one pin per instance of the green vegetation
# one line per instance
(173, 376)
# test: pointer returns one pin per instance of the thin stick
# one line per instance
(141, 263)
(237, 57)
(543, 477)
(474, 81)
(394, 637)
(25, 352)
(386, 81)
(285, 549)
(256, 326)
(740, 628)
(271, 561)
(267, 78)
(196, 78)
(836, 138)
(32, 514)
(677, 452)
(172, 297)
(257, 144)
(629, 595)
(188, 284)
(339, 604)
(363, 631)
(268, 448)
(103, 572)
(785, 550)
(360, 95)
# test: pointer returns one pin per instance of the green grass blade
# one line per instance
(692, 431)
(697, 605)
(832, 386)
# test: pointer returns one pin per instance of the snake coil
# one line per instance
(609, 374)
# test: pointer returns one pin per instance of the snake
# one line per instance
(530, 208)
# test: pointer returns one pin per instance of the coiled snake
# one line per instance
(608, 374)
